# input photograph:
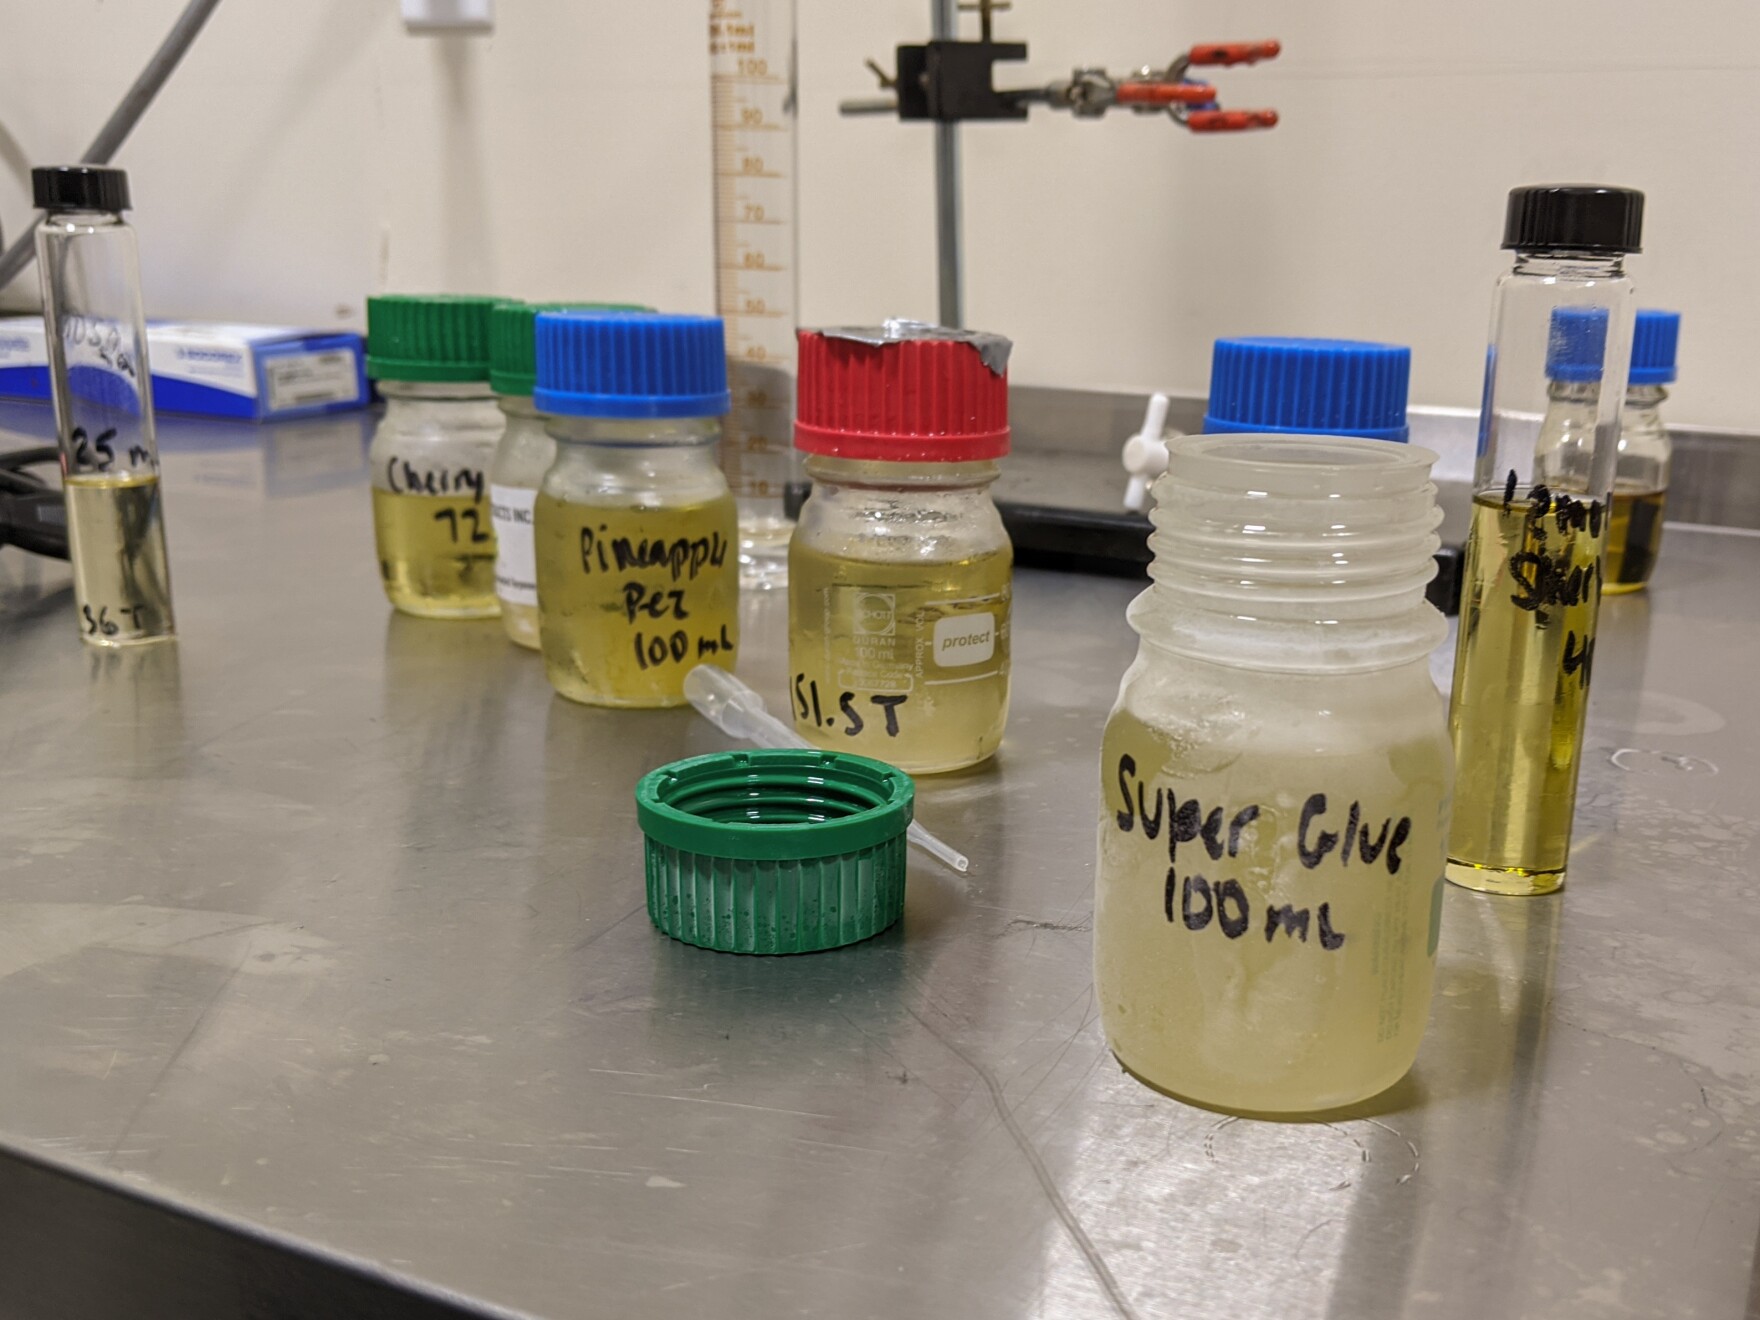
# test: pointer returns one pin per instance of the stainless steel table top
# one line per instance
(331, 920)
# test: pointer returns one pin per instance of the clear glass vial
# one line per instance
(900, 573)
(431, 453)
(637, 534)
(522, 457)
(1532, 577)
(1275, 779)
(97, 345)
(1640, 477)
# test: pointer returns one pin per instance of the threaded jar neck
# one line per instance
(1293, 553)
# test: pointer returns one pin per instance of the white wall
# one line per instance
(309, 152)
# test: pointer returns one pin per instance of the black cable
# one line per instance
(33, 515)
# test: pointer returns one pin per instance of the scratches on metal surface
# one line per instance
(1060, 1206)
(731, 1104)
(1410, 1145)
(1297, 1253)
(1210, 1137)
(152, 1091)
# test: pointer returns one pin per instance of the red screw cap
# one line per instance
(902, 393)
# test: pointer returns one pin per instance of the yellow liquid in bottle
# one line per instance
(630, 600)
(1521, 689)
(436, 554)
(1634, 539)
(521, 622)
(116, 539)
(904, 662)
(1250, 961)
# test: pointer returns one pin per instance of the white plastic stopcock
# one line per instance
(1145, 454)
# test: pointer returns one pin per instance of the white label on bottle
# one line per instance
(964, 639)
(516, 562)
(304, 380)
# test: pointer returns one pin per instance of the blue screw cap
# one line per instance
(1576, 343)
(1310, 387)
(599, 364)
(1655, 338)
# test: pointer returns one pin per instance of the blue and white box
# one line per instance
(216, 369)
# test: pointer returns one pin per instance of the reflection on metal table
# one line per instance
(322, 931)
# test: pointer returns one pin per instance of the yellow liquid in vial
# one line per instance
(1521, 690)
(904, 662)
(1232, 973)
(116, 539)
(1634, 539)
(630, 600)
(436, 554)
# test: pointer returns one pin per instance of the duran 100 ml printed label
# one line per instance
(907, 662)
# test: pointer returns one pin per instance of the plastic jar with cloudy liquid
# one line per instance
(1275, 779)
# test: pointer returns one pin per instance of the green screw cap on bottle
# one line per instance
(512, 348)
(785, 850)
(428, 337)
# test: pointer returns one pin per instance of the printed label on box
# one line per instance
(305, 380)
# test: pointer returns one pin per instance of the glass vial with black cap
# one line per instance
(1555, 379)
(97, 341)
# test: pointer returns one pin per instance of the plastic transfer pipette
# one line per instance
(739, 712)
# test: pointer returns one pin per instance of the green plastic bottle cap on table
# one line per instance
(437, 337)
(784, 850)
(513, 367)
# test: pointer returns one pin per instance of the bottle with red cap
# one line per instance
(900, 571)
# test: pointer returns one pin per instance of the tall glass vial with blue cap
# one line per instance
(1640, 479)
(97, 344)
(1270, 385)
(1555, 379)
(637, 533)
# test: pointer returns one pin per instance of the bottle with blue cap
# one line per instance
(1270, 385)
(1555, 379)
(637, 535)
(1640, 480)
(522, 456)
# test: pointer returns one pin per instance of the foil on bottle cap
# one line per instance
(993, 350)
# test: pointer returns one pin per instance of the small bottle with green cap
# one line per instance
(1640, 477)
(430, 454)
(522, 457)
(637, 533)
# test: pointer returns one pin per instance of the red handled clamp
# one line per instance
(1207, 116)
(1155, 95)
(950, 80)
(1229, 121)
(1234, 52)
